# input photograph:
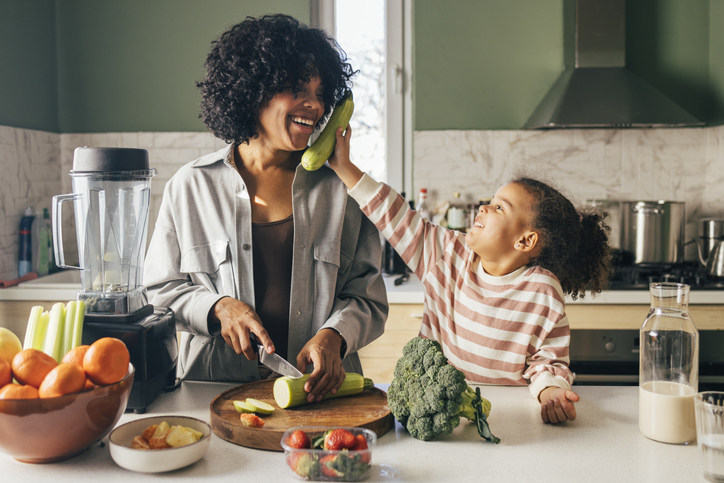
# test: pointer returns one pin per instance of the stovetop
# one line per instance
(638, 277)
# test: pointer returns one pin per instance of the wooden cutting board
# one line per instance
(367, 409)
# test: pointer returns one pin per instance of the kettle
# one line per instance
(711, 247)
(715, 261)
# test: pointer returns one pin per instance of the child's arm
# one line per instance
(419, 242)
(557, 404)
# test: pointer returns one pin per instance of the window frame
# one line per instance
(398, 66)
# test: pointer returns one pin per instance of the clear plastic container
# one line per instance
(327, 465)
(669, 366)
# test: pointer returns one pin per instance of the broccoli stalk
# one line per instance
(428, 395)
(477, 409)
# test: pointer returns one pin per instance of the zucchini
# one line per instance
(289, 392)
(319, 152)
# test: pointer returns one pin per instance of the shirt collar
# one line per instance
(225, 154)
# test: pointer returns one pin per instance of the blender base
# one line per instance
(153, 346)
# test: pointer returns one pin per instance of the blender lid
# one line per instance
(89, 159)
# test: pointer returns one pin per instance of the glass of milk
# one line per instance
(668, 366)
(710, 434)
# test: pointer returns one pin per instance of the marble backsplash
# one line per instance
(673, 164)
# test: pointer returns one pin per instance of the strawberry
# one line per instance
(338, 439)
(302, 463)
(299, 440)
(327, 464)
(251, 420)
(360, 444)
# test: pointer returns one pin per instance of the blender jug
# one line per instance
(111, 197)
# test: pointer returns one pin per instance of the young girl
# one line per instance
(494, 298)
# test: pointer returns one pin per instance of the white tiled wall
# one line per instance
(29, 176)
(673, 164)
(631, 164)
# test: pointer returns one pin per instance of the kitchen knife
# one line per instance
(275, 362)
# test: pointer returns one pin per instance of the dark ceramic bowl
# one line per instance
(59, 428)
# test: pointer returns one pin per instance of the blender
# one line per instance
(111, 198)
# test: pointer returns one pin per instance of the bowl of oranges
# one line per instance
(54, 410)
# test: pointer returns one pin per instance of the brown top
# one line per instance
(273, 245)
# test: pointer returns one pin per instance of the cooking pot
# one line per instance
(653, 231)
(711, 246)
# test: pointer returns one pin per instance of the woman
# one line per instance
(249, 243)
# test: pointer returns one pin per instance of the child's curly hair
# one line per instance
(574, 243)
(257, 58)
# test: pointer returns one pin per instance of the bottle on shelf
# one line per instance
(25, 254)
(456, 213)
(422, 207)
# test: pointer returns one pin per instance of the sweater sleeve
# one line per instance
(419, 242)
(548, 365)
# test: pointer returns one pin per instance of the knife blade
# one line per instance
(275, 362)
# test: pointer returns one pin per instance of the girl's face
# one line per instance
(288, 119)
(502, 229)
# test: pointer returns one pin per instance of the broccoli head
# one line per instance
(428, 395)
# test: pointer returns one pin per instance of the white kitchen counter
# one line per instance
(65, 286)
(602, 445)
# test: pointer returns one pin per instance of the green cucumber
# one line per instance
(319, 152)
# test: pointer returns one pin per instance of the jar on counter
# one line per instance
(669, 366)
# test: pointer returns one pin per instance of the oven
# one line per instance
(606, 352)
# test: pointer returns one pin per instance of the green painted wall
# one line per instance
(487, 64)
(484, 64)
(667, 44)
(716, 61)
(131, 65)
(28, 73)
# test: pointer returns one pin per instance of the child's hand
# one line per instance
(556, 405)
(340, 155)
(339, 161)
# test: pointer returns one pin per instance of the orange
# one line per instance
(17, 391)
(89, 386)
(106, 361)
(30, 366)
(75, 355)
(65, 378)
(6, 373)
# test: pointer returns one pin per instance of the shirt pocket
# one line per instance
(330, 265)
(210, 265)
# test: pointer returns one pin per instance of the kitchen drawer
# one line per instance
(379, 358)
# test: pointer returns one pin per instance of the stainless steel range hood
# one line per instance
(599, 91)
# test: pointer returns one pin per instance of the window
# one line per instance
(373, 34)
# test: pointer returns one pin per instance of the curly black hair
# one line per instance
(257, 58)
(574, 243)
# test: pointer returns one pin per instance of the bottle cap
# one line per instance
(29, 211)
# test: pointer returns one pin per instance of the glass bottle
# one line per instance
(668, 367)
(456, 213)
(422, 207)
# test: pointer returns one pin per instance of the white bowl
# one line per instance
(157, 460)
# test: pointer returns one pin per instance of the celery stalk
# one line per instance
(54, 334)
(68, 325)
(36, 314)
(77, 338)
(40, 329)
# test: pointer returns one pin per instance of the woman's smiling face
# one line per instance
(289, 118)
(502, 224)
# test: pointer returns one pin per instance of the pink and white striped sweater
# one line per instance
(505, 330)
